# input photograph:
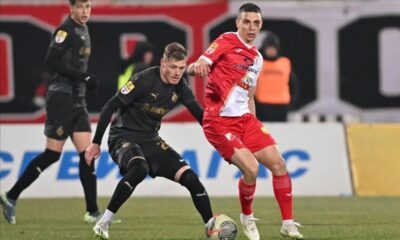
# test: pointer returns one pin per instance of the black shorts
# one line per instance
(65, 115)
(163, 160)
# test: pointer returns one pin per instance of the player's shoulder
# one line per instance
(147, 76)
(64, 31)
(67, 25)
(227, 36)
(150, 73)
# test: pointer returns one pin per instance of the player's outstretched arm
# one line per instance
(199, 68)
(93, 151)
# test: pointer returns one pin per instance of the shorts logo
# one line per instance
(60, 36)
(229, 136)
(125, 144)
(212, 48)
(127, 88)
(60, 131)
(163, 145)
(264, 130)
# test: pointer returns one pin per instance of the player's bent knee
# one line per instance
(48, 157)
(137, 172)
(278, 166)
(129, 158)
(139, 163)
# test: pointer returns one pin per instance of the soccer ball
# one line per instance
(221, 227)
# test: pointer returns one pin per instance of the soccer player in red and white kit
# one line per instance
(232, 64)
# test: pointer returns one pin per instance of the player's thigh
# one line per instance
(124, 153)
(60, 116)
(224, 135)
(54, 144)
(271, 158)
(166, 163)
(81, 140)
(245, 160)
(256, 136)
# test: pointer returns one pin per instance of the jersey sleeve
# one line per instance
(216, 49)
(61, 39)
(187, 93)
(133, 89)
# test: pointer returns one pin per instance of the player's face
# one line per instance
(172, 70)
(249, 25)
(80, 11)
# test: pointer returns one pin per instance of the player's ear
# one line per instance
(237, 21)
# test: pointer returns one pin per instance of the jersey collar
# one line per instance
(247, 45)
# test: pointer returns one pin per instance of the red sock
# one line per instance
(246, 195)
(283, 195)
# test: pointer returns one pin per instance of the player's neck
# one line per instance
(248, 43)
(163, 79)
(77, 21)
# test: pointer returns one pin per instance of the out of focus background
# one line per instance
(342, 136)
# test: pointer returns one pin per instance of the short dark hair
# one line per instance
(72, 2)
(176, 51)
(249, 7)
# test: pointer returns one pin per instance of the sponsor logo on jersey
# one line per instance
(212, 48)
(61, 36)
(127, 88)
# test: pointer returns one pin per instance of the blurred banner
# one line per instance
(315, 154)
(346, 54)
(374, 151)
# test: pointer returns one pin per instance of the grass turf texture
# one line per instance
(175, 218)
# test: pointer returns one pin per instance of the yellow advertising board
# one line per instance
(374, 153)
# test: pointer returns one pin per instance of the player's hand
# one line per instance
(92, 152)
(91, 82)
(200, 68)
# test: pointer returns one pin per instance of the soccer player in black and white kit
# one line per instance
(134, 143)
(67, 116)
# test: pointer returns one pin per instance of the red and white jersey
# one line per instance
(235, 67)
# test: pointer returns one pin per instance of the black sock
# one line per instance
(199, 194)
(136, 173)
(87, 175)
(32, 172)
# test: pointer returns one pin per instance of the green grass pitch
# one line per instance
(354, 218)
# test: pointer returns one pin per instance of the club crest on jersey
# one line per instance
(174, 97)
(60, 36)
(212, 48)
(127, 88)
